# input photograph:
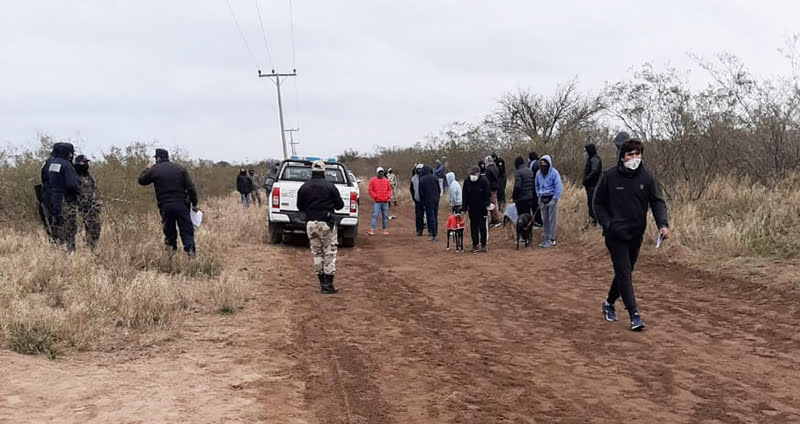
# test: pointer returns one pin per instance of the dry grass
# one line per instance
(51, 300)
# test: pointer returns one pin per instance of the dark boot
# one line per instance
(321, 282)
(327, 287)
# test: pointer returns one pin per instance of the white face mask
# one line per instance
(473, 178)
(633, 163)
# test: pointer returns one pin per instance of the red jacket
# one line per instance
(454, 222)
(380, 190)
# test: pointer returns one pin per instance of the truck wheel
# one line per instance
(349, 237)
(275, 233)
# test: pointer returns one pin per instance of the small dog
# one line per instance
(455, 227)
(524, 229)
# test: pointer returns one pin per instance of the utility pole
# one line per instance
(291, 139)
(280, 106)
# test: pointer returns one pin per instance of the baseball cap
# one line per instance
(81, 158)
(380, 169)
(318, 165)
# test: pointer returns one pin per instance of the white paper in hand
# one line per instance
(659, 240)
(197, 217)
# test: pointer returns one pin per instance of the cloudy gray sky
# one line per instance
(370, 72)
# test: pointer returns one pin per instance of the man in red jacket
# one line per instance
(381, 193)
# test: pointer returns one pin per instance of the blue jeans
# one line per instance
(383, 208)
(244, 199)
(431, 211)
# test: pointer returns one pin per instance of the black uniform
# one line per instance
(60, 194)
(620, 203)
(591, 175)
(174, 193)
(476, 197)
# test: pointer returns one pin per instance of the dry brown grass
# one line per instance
(51, 300)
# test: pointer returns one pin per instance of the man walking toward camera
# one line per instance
(174, 194)
(548, 187)
(620, 203)
(319, 199)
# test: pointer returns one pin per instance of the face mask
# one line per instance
(82, 169)
(473, 178)
(545, 169)
(633, 164)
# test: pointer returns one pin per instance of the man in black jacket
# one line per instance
(620, 204)
(319, 199)
(174, 194)
(522, 194)
(591, 175)
(476, 194)
(244, 185)
(429, 194)
(60, 192)
(501, 180)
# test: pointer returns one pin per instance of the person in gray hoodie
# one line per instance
(419, 209)
(453, 192)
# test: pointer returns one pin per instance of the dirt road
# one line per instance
(421, 335)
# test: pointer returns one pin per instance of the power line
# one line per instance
(246, 44)
(264, 33)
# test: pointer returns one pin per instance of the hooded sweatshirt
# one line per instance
(492, 173)
(548, 184)
(593, 168)
(454, 193)
(523, 181)
(428, 187)
(414, 188)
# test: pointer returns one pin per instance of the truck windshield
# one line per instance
(302, 173)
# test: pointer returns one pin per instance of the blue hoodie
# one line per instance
(454, 190)
(549, 184)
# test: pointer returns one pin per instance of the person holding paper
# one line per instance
(621, 199)
(174, 194)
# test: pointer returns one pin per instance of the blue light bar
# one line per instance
(312, 159)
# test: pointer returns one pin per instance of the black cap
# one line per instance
(162, 153)
(81, 158)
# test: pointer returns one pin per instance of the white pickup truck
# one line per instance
(283, 216)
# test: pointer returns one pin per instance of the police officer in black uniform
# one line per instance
(60, 194)
(174, 194)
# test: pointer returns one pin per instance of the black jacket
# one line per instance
(501, 167)
(593, 168)
(172, 184)
(523, 183)
(318, 198)
(476, 195)
(429, 190)
(493, 175)
(244, 184)
(621, 200)
(59, 179)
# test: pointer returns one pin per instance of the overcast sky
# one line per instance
(370, 72)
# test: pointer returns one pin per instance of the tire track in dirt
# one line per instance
(419, 335)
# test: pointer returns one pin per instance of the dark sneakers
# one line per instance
(636, 322)
(609, 313)
(326, 286)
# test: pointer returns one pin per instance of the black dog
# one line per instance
(524, 229)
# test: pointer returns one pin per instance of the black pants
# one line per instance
(431, 212)
(623, 255)
(477, 228)
(523, 206)
(501, 191)
(419, 212)
(177, 214)
(589, 197)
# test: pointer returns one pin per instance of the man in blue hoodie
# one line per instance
(548, 187)
(429, 194)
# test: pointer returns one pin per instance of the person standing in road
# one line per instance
(591, 175)
(493, 175)
(548, 187)
(392, 177)
(501, 181)
(419, 209)
(522, 193)
(88, 202)
(175, 194)
(454, 193)
(429, 194)
(381, 192)
(476, 200)
(621, 199)
(319, 199)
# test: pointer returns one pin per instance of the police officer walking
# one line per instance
(319, 199)
(174, 193)
(60, 194)
(88, 202)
